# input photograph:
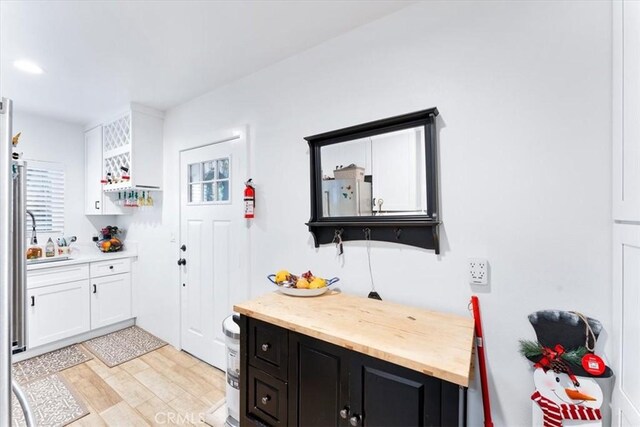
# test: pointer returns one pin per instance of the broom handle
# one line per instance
(486, 405)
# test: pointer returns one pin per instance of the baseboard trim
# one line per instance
(37, 351)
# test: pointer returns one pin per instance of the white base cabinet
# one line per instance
(71, 300)
(110, 299)
(58, 311)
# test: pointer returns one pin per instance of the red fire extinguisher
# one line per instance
(249, 199)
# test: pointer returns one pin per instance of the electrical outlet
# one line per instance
(478, 271)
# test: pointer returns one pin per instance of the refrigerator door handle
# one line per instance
(6, 259)
(29, 416)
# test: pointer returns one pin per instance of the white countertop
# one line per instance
(85, 254)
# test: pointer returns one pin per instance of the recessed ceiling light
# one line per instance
(27, 66)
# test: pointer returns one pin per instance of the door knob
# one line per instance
(344, 412)
(183, 248)
(355, 420)
(266, 399)
(265, 347)
(182, 261)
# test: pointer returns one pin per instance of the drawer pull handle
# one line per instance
(111, 267)
(355, 420)
(344, 413)
(95, 289)
(266, 399)
(265, 347)
(33, 301)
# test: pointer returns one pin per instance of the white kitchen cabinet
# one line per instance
(133, 140)
(57, 312)
(110, 299)
(128, 144)
(626, 110)
(95, 201)
(68, 300)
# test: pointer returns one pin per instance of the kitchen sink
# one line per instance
(47, 260)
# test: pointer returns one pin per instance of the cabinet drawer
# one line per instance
(106, 268)
(268, 348)
(267, 398)
(57, 275)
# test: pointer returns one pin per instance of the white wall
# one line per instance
(524, 94)
(52, 140)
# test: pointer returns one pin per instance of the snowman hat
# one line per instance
(574, 332)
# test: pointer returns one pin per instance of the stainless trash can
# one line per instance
(231, 331)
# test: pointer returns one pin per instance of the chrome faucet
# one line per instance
(34, 239)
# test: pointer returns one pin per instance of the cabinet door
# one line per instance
(93, 171)
(626, 318)
(57, 312)
(383, 394)
(110, 299)
(318, 383)
(626, 110)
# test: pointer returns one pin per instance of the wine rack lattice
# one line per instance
(113, 164)
(117, 134)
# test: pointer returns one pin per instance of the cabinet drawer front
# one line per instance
(268, 348)
(57, 275)
(267, 398)
(106, 268)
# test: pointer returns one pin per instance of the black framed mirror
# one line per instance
(377, 181)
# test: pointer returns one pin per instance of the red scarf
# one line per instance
(553, 414)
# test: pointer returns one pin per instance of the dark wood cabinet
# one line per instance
(325, 385)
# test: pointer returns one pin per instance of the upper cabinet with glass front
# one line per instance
(377, 181)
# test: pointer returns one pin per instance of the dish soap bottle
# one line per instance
(50, 249)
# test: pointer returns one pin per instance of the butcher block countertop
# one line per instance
(437, 344)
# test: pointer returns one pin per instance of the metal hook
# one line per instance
(367, 233)
(337, 235)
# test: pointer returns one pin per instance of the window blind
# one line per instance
(45, 196)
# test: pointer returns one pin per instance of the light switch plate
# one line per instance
(478, 271)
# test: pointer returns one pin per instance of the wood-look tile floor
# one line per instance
(163, 387)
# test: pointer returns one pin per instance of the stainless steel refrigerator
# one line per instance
(12, 266)
(346, 197)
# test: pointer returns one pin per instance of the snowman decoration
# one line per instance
(565, 367)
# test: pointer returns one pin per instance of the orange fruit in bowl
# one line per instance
(106, 245)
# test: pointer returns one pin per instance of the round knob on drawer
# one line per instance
(111, 267)
(265, 346)
(265, 399)
(355, 420)
(344, 413)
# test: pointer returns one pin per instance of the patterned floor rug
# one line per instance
(53, 402)
(124, 345)
(49, 363)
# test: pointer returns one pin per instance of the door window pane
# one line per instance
(194, 172)
(209, 171)
(209, 192)
(223, 168)
(195, 193)
(223, 191)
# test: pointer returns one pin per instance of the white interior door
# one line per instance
(214, 235)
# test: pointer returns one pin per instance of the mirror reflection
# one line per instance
(379, 175)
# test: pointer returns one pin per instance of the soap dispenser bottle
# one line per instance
(50, 249)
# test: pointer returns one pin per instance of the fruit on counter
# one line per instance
(317, 283)
(302, 283)
(106, 245)
(282, 275)
(308, 275)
